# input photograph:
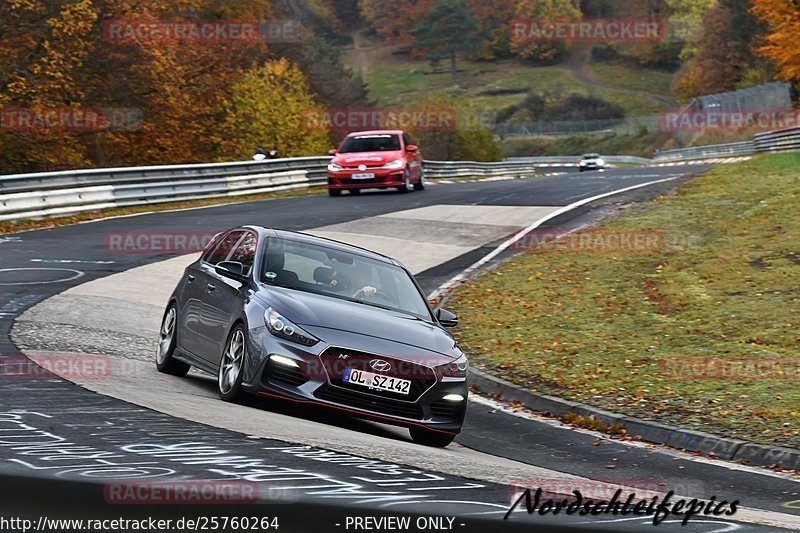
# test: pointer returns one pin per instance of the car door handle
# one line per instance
(190, 278)
(210, 287)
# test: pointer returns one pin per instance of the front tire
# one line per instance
(334, 192)
(231, 366)
(427, 437)
(420, 186)
(167, 341)
(407, 187)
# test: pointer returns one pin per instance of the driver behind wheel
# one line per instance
(362, 278)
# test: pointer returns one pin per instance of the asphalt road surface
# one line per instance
(138, 424)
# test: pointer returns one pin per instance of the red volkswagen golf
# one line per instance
(376, 159)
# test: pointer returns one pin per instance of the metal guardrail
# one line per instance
(701, 152)
(63, 193)
(67, 192)
(573, 160)
(785, 140)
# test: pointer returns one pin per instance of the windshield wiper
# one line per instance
(372, 304)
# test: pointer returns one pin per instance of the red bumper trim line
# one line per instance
(363, 413)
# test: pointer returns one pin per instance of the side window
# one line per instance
(245, 253)
(226, 244)
(211, 245)
(406, 140)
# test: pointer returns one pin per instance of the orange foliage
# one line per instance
(782, 44)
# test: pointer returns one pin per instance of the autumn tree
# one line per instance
(466, 139)
(447, 31)
(782, 42)
(271, 106)
(494, 18)
(43, 48)
(716, 66)
(393, 20)
(542, 10)
(179, 85)
(685, 22)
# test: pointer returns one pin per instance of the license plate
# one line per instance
(376, 381)
(363, 176)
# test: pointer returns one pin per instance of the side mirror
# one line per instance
(412, 148)
(232, 270)
(446, 318)
(333, 152)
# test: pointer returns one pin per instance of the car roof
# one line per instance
(591, 154)
(298, 236)
(375, 132)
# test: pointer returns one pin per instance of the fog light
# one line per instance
(285, 361)
(453, 398)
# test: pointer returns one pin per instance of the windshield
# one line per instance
(340, 274)
(370, 143)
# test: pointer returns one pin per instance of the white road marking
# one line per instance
(77, 274)
(504, 246)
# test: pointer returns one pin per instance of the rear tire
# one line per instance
(167, 341)
(355, 191)
(427, 437)
(334, 192)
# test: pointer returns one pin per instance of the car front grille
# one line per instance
(446, 409)
(369, 403)
(285, 374)
(336, 360)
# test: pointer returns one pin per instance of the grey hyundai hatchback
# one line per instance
(293, 316)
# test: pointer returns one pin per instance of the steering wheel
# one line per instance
(377, 295)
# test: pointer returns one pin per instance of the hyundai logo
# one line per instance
(380, 365)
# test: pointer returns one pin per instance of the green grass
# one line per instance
(627, 73)
(402, 80)
(600, 326)
(639, 145)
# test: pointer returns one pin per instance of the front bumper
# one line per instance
(316, 381)
(383, 178)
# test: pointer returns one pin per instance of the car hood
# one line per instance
(314, 311)
(370, 159)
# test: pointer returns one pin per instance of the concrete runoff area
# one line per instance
(421, 238)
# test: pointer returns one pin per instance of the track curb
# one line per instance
(688, 440)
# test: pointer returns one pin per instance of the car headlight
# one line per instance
(397, 163)
(583, 163)
(279, 326)
(601, 162)
(454, 369)
(333, 167)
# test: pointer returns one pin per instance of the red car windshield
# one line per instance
(370, 143)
